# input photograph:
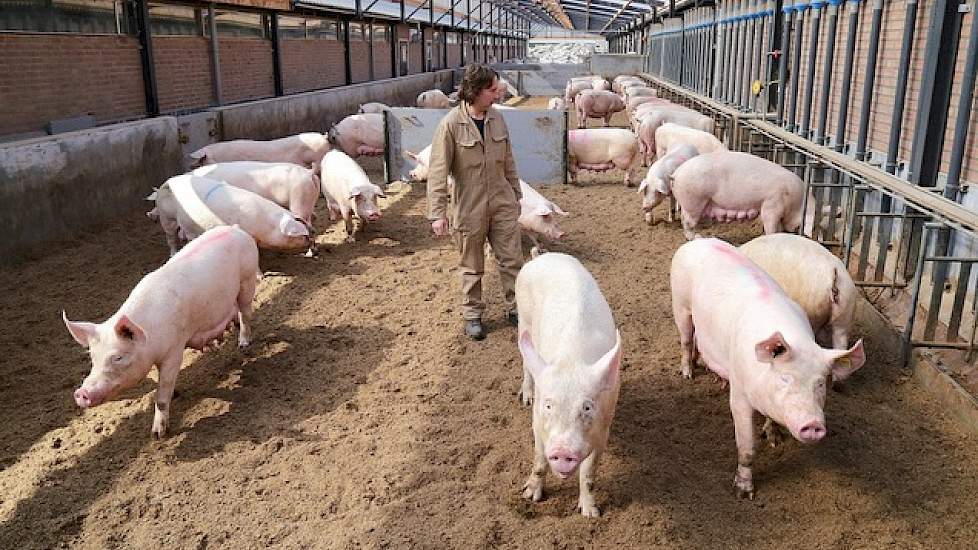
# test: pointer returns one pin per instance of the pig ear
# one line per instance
(774, 348)
(607, 368)
(293, 227)
(642, 186)
(661, 186)
(83, 333)
(531, 358)
(380, 192)
(126, 328)
(559, 210)
(846, 362)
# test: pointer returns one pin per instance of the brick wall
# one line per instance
(52, 76)
(454, 55)
(246, 68)
(359, 61)
(382, 60)
(183, 72)
(312, 65)
(416, 54)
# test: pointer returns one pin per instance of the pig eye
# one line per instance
(588, 407)
(547, 405)
(786, 379)
(116, 359)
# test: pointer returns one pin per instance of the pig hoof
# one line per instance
(743, 488)
(159, 429)
(686, 372)
(589, 510)
(533, 489)
(526, 399)
(243, 343)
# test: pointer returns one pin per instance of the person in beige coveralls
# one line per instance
(474, 192)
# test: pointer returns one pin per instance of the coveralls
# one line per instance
(473, 183)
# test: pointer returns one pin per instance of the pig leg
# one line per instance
(672, 208)
(585, 500)
(689, 224)
(687, 341)
(168, 370)
(771, 220)
(743, 417)
(348, 224)
(245, 297)
(533, 488)
(607, 119)
(772, 433)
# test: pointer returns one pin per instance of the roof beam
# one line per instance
(616, 15)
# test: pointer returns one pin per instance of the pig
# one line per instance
(657, 183)
(665, 112)
(638, 90)
(358, 135)
(422, 162)
(188, 302)
(731, 186)
(433, 99)
(574, 88)
(571, 353)
(188, 205)
(670, 134)
(824, 288)
(557, 103)
(348, 191)
(650, 123)
(288, 185)
(632, 103)
(453, 98)
(602, 149)
(597, 104)
(373, 107)
(537, 218)
(735, 317)
(505, 89)
(305, 149)
(618, 85)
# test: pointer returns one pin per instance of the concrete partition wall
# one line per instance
(539, 141)
(53, 186)
(318, 111)
(610, 65)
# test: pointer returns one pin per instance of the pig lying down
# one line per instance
(657, 183)
(728, 186)
(571, 360)
(305, 149)
(824, 288)
(187, 205)
(188, 302)
(287, 185)
(750, 333)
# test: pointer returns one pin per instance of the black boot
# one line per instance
(474, 329)
(513, 318)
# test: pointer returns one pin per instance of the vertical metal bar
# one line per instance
(796, 63)
(347, 62)
(963, 116)
(276, 56)
(748, 55)
(867, 237)
(957, 307)
(806, 116)
(846, 90)
(150, 91)
(215, 56)
(738, 80)
(914, 298)
(870, 81)
(849, 234)
(787, 12)
(718, 53)
(827, 69)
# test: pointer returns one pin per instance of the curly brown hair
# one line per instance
(477, 78)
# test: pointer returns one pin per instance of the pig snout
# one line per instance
(812, 432)
(86, 398)
(373, 216)
(563, 462)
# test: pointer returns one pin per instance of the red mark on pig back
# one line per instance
(763, 283)
(204, 242)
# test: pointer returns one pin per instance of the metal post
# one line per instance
(276, 56)
(786, 12)
(150, 91)
(869, 83)
(827, 67)
(347, 62)
(215, 57)
(796, 63)
(964, 116)
(840, 133)
(718, 54)
(750, 23)
(738, 70)
(907, 347)
(806, 116)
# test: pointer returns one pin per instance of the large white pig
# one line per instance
(433, 99)
(735, 317)
(348, 192)
(824, 288)
(638, 90)
(571, 361)
(700, 131)
(670, 134)
(597, 104)
(188, 302)
(358, 135)
(286, 184)
(728, 186)
(373, 107)
(537, 217)
(556, 103)
(305, 149)
(632, 104)
(602, 149)
(188, 205)
(625, 80)
(657, 183)
(422, 162)
(574, 88)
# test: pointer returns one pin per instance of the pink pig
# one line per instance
(358, 135)
(740, 322)
(286, 184)
(537, 217)
(188, 302)
(597, 104)
(305, 149)
(602, 149)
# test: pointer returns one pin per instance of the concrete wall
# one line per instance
(317, 111)
(610, 65)
(52, 186)
(541, 79)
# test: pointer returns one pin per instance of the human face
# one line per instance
(486, 97)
